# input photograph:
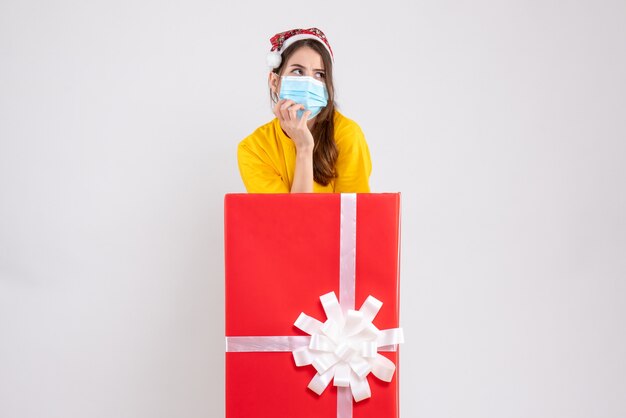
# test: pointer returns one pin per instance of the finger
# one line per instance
(284, 109)
(276, 108)
(293, 111)
(286, 103)
(305, 116)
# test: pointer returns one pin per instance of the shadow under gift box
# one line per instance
(282, 253)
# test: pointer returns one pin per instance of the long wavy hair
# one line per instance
(325, 152)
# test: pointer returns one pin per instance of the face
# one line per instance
(303, 62)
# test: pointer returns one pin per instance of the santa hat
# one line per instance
(281, 41)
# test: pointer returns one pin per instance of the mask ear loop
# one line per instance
(273, 95)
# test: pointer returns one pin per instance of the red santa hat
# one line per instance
(281, 41)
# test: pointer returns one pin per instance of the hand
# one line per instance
(296, 129)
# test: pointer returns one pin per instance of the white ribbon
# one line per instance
(345, 348)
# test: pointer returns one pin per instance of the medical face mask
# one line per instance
(307, 91)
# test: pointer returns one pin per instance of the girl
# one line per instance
(309, 146)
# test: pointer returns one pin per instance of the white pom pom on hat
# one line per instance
(274, 59)
(282, 40)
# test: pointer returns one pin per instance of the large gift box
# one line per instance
(312, 307)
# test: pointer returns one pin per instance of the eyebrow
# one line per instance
(302, 67)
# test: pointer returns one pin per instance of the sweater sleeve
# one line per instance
(258, 176)
(354, 164)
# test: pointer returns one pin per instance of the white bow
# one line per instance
(345, 350)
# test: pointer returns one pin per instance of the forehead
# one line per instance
(307, 57)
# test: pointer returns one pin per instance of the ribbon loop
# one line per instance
(355, 322)
(391, 336)
(383, 368)
(323, 363)
(360, 388)
(302, 356)
(321, 381)
(308, 324)
(368, 333)
(342, 375)
(332, 330)
(370, 308)
(321, 343)
(331, 307)
(361, 367)
(369, 349)
(344, 351)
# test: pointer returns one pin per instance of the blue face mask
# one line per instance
(306, 91)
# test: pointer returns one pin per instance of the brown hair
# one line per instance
(325, 150)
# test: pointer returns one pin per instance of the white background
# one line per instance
(503, 123)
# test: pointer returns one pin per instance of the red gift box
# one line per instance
(283, 252)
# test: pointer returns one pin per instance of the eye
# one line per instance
(297, 71)
(320, 74)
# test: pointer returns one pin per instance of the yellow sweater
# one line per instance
(267, 160)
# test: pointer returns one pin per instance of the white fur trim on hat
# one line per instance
(301, 36)
(274, 58)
